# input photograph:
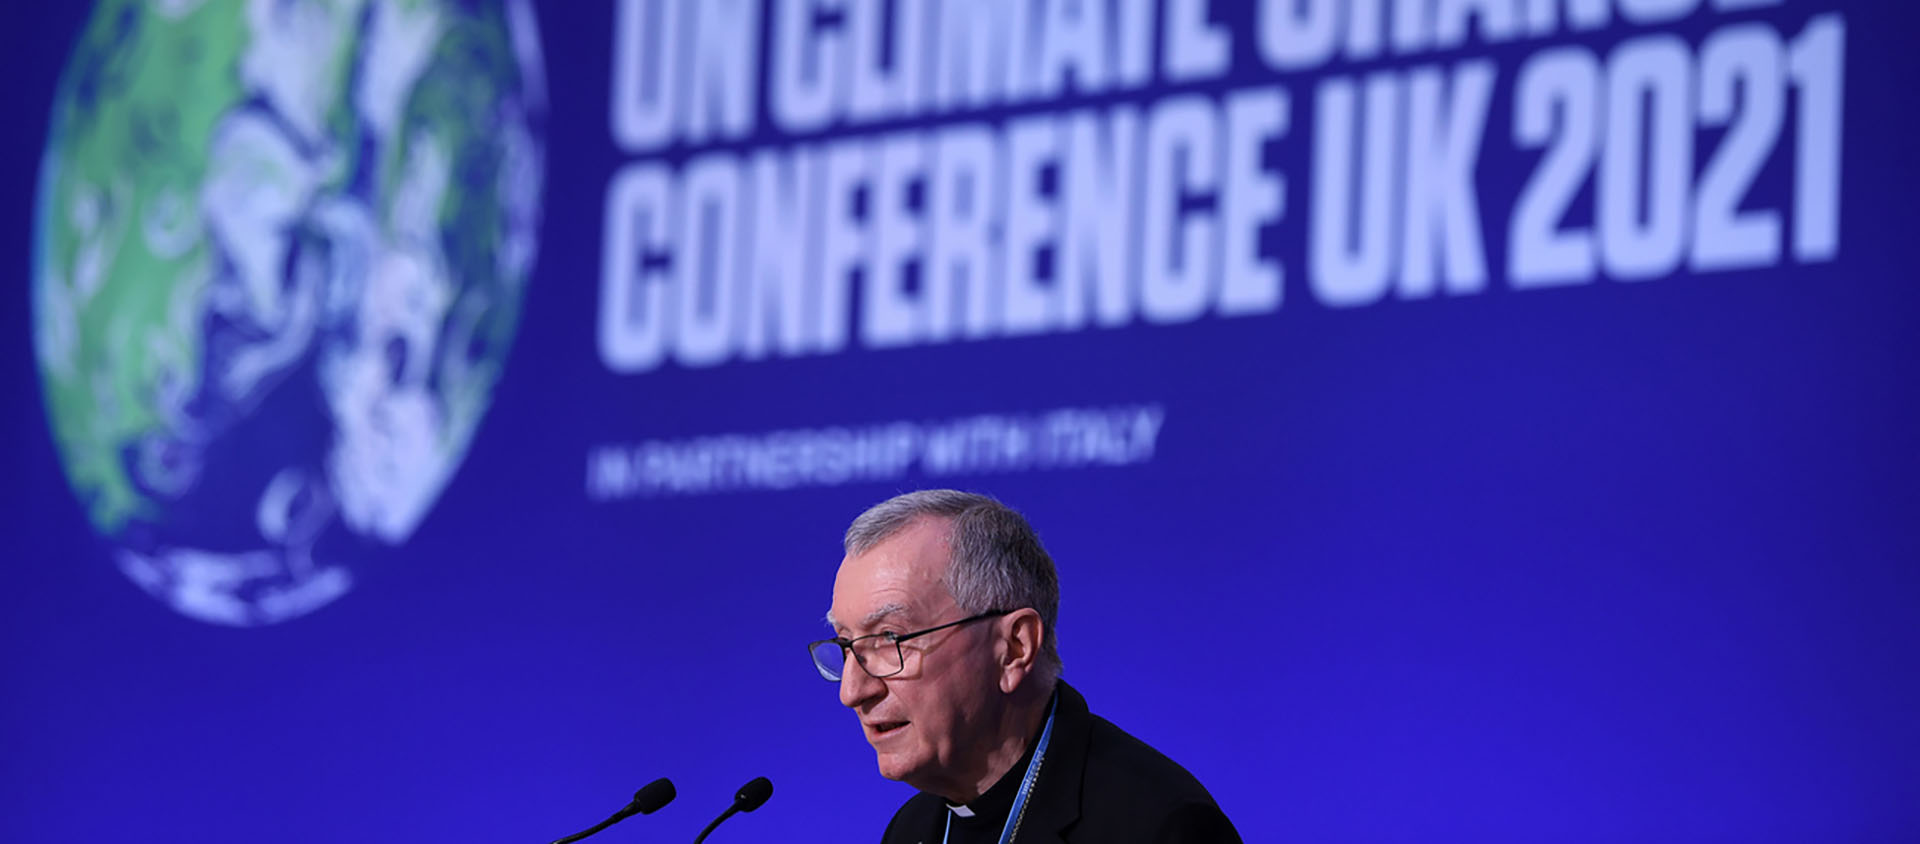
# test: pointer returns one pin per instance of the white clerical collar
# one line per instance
(960, 811)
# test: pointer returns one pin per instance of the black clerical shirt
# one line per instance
(981, 820)
(1097, 785)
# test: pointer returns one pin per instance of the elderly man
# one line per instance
(944, 609)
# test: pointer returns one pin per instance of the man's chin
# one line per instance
(894, 767)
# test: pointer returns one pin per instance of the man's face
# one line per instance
(923, 721)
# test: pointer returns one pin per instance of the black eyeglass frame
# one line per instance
(900, 657)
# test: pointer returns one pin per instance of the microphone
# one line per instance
(747, 799)
(651, 796)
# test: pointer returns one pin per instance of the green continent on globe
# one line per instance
(127, 148)
(279, 253)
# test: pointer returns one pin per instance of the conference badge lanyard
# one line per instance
(1019, 810)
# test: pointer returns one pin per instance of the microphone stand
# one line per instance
(716, 822)
(617, 817)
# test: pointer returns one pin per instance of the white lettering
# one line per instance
(846, 209)
(633, 315)
(1350, 242)
(1252, 199)
(1073, 43)
(1194, 48)
(1443, 149)
(1298, 34)
(1096, 251)
(704, 278)
(882, 90)
(644, 81)
(1032, 147)
(784, 260)
(889, 317)
(809, 67)
(723, 57)
(1180, 247)
(965, 195)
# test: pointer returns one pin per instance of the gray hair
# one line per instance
(995, 560)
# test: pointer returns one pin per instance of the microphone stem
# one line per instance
(716, 822)
(616, 818)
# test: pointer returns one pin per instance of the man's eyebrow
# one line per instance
(885, 610)
(872, 618)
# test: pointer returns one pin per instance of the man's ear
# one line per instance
(1023, 631)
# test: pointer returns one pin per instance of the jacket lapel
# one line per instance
(1055, 803)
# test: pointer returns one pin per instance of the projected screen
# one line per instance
(1479, 420)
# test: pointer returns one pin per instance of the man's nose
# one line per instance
(857, 686)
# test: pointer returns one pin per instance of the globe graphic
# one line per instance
(279, 259)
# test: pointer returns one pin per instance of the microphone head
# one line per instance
(653, 795)
(753, 794)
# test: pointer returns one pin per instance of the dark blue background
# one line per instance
(1612, 562)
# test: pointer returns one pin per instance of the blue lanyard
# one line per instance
(1026, 784)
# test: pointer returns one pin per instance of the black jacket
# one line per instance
(1097, 784)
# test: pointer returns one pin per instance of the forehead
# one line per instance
(898, 579)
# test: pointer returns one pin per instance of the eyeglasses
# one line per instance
(878, 654)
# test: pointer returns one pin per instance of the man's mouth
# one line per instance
(882, 728)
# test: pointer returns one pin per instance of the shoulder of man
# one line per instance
(1195, 822)
(1130, 791)
(1121, 765)
(916, 820)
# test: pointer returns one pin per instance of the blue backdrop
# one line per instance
(1452, 421)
